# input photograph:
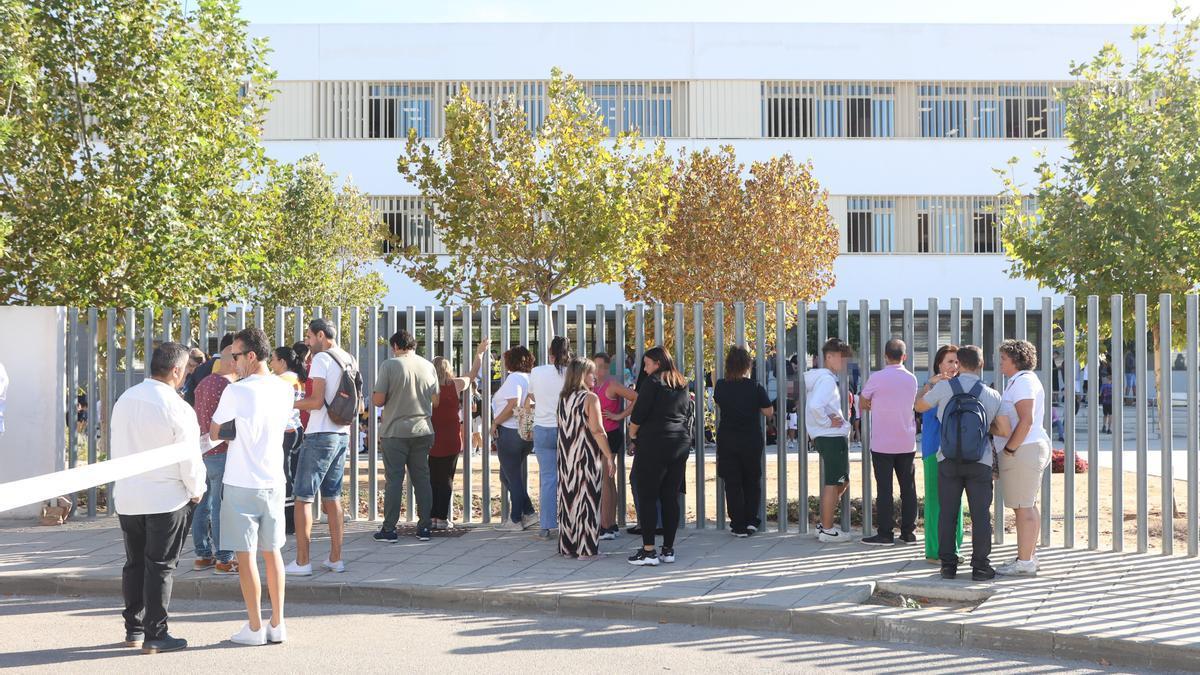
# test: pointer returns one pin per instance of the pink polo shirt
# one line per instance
(893, 425)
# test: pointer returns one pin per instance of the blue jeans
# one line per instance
(208, 513)
(511, 450)
(321, 466)
(545, 446)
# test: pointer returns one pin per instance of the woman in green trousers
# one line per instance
(945, 366)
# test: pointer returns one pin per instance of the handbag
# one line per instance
(525, 423)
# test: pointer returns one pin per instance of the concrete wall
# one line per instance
(32, 348)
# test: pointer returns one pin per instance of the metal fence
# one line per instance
(106, 354)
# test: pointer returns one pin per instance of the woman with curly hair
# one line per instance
(1024, 454)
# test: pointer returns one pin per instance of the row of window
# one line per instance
(925, 224)
(786, 109)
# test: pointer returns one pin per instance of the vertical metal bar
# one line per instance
(1143, 495)
(1118, 428)
(801, 422)
(864, 358)
(844, 386)
(908, 322)
(1070, 360)
(73, 345)
(222, 320)
(619, 360)
(977, 322)
(505, 344)
(373, 419)
(485, 419)
(955, 321)
(258, 317)
(719, 373)
(239, 316)
(110, 391)
(760, 362)
(147, 343)
(701, 405)
(600, 336)
(1046, 335)
(131, 345)
(94, 407)
(167, 319)
(1166, 425)
(781, 430)
(998, 379)
(581, 331)
(1093, 361)
(448, 337)
(560, 325)
(430, 331)
(658, 324)
(933, 331)
(201, 329)
(885, 328)
(279, 327)
(298, 325)
(822, 330)
(677, 319)
(1193, 427)
(356, 350)
(185, 327)
(468, 357)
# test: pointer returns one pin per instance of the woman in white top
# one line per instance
(545, 388)
(510, 447)
(1025, 454)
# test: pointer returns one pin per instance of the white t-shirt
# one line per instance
(1024, 385)
(262, 407)
(325, 367)
(546, 383)
(516, 385)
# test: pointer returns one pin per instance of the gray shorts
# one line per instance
(252, 519)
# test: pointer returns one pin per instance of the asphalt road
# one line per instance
(60, 635)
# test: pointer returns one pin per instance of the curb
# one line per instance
(837, 620)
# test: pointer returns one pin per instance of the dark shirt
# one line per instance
(741, 402)
(661, 415)
(202, 371)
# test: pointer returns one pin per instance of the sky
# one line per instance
(825, 11)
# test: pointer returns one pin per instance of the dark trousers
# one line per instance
(658, 482)
(441, 481)
(152, 546)
(976, 479)
(884, 465)
(291, 455)
(742, 473)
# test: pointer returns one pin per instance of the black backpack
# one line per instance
(964, 424)
(347, 400)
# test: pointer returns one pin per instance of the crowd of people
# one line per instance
(271, 429)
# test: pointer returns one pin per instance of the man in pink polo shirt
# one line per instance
(888, 396)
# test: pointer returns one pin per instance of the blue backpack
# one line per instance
(964, 424)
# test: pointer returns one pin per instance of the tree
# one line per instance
(128, 170)
(533, 214)
(1121, 213)
(321, 241)
(768, 236)
(15, 79)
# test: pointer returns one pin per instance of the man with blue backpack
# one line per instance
(969, 412)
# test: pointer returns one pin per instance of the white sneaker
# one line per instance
(447, 524)
(752, 529)
(339, 566)
(529, 521)
(254, 638)
(295, 569)
(510, 526)
(1019, 568)
(276, 634)
(832, 536)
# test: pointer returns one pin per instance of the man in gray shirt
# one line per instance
(407, 390)
(956, 476)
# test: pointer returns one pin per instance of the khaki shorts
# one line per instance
(1021, 474)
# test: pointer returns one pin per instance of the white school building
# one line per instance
(905, 123)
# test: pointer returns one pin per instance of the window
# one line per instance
(943, 111)
(408, 224)
(393, 109)
(985, 234)
(828, 110)
(789, 111)
(870, 225)
(648, 108)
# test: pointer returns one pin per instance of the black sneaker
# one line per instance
(878, 540)
(949, 571)
(422, 534)
(386, 537)
(667, 555)
(909, 538)
(636, 529)
(134, 638)
(164, 644)
(752, 528)
(983, 574)
(740, 534)
(644, 557)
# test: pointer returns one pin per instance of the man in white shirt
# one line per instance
(321, 461)
(155, 508)
(257, 407)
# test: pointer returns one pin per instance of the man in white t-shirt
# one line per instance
(257, 407)
(545, 388)
(321, 459)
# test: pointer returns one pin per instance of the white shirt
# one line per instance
(3, 394)
(147, 416)
(546, 383)
(516, 385)
(1024, 385)
(261, 406)
(323, 366)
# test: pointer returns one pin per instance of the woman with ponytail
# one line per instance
(288, 365)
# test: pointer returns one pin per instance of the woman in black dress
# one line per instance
(660, 422)
(742, 403)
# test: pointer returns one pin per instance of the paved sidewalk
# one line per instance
(1122, 609)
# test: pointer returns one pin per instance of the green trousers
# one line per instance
(933, 508)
